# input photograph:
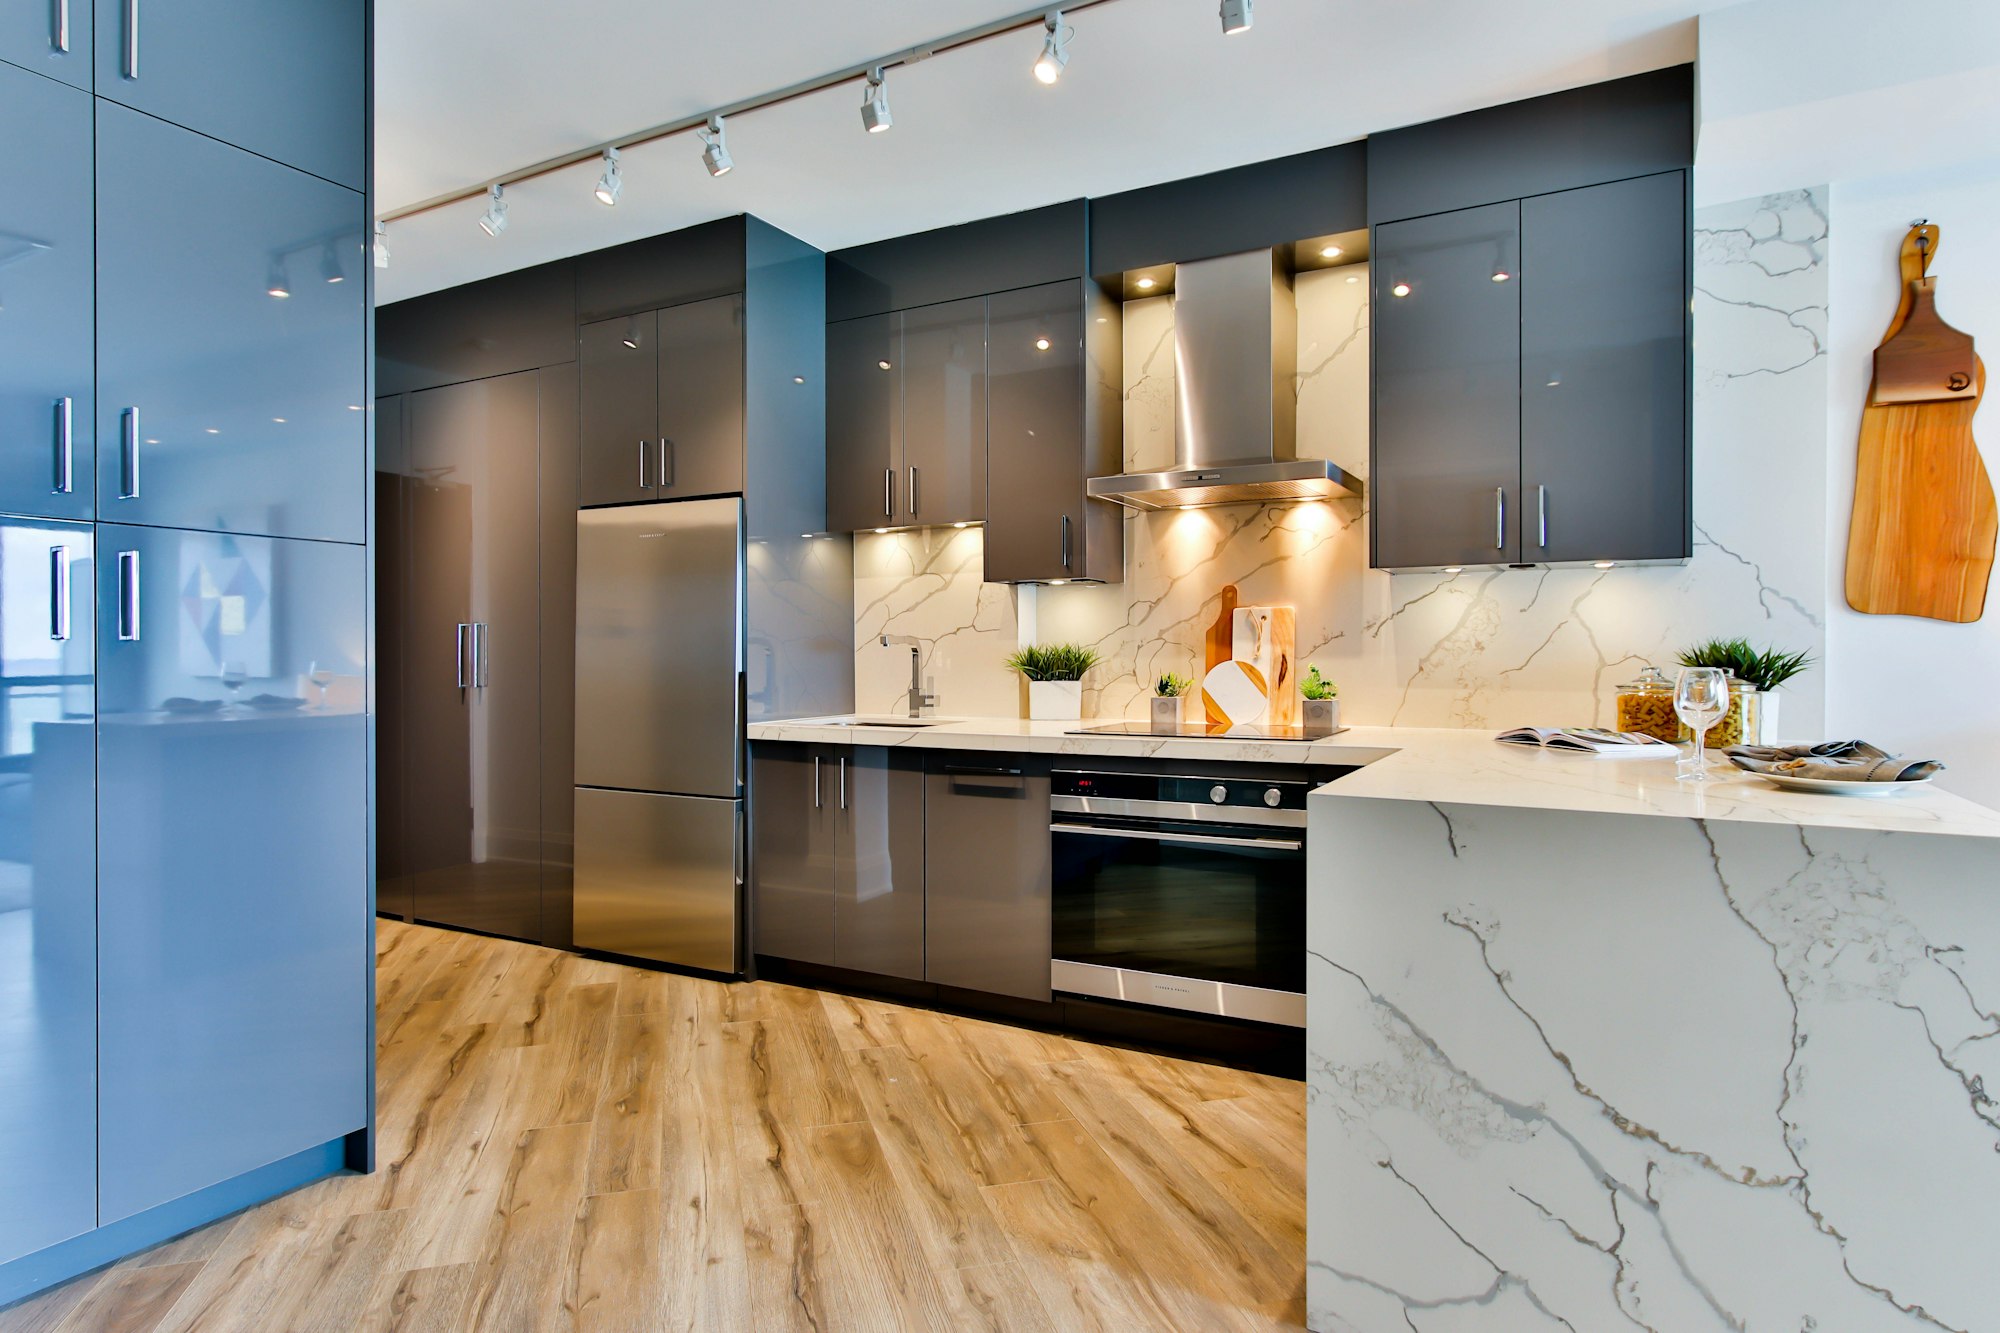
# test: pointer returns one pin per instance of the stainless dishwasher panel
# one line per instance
(659, 877)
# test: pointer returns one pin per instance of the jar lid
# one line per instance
(1650, 681)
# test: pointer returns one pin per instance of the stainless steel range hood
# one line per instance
(1236, 355)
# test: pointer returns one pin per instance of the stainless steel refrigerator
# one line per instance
(659, 726)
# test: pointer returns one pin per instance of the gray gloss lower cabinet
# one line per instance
(232, 832)
(837, 857)
(48, 888)
(986, 876)
(231, 382)
(47, 252)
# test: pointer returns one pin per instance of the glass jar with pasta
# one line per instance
(1646, 706)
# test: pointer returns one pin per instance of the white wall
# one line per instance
(1914, 685)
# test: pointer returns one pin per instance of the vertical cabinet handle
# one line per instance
(913, 492)
(128, 596)
(1542, 512)
(58, 593)
(462, 628)
(645, 447)
(816, 796)
(131, 39)
(888, 492)
(669, 456)
(1065, 542)
(843, 782)
(128, 456)
(65, 437)
(60, 37)
(479, 654)
(1499, 518)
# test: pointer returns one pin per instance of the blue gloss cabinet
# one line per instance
(48, 976)
(232, 833)
(231, 366)
(50, 37)
(46, 254)
(286, 79)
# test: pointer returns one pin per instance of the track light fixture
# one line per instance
(329, 265)
(381, 246)
(1236, 17)
(875, 103)
(276, 284)
(611, 182)
(494, 220)
(715, 148)
(1055, 49)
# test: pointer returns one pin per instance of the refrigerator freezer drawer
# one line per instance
(657, 877)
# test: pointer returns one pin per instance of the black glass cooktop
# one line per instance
(1255, 731)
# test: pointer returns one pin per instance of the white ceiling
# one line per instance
(469, 89)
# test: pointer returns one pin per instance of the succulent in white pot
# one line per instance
(1319, 708)
(1054, 672)
(1170, 696)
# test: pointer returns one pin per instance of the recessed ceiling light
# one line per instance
(279, 420)
(213, 431)
(1041, 344)
(1144, 284)
(1400, 289)
(875, 103)
(612, 182)
(1330, 252)
(354, 407)
(882, 365)
(1055, 50)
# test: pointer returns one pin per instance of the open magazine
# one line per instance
(1591, 740)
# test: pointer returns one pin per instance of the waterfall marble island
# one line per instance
(1591, 1049)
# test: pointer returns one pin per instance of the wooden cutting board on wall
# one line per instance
(1922, 536)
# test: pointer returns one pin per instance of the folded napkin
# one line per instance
(1838, 761)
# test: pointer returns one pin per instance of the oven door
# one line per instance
(1182, 914)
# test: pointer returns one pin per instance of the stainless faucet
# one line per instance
(918, 699)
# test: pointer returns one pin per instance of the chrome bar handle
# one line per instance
(128, 596)
(131, 39)
(128, 456)
(843, 782)
(1155, 835)
(58, 593)
(1542, 511)
(816, 795)
(479, 654)
(669, 455)
(460, 645)
(65, 442)
(1499, 518)
(645, 447)
(60, 37)
(888, 492)
(913, 491)
(1065, 542)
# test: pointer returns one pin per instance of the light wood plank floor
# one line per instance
(568, 1144)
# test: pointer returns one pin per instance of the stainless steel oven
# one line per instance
(1181, 891)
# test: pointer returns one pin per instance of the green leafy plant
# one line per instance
(1766, 670)
(1172, 685)
(1316, 686)
(1053, 661)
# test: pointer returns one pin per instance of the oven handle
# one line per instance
(1146, 835)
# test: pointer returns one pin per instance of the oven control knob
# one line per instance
(1272, 796)
(1218, 793)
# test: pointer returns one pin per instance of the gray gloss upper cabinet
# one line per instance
(232, 832)
(619, 362)
(230, 381)
(286, 79)
(1447, 364)
(46, 258)
(48, 915)
(701, 398)
(864, 422)
(986, 875)
(50, 37)
(1604, 372)
(1037, 428)
(943, 432)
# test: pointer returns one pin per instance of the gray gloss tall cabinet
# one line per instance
(186, 649)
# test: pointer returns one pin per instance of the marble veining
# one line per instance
(1719, 1074)
(1480, 649)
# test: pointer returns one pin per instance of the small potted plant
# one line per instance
(1054, 672)
(1753, 704)
(1320, 714)
(1170, 694)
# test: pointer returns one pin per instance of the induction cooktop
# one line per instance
(1253, 731)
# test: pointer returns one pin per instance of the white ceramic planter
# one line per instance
(1319, 717)
(1168, 714)
(1767, 717)
(1055, 700)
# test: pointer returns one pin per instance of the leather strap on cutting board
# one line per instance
(1922, 536)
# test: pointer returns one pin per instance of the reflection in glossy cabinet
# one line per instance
(231, 381)
(1604, 372)
(1447, 358)
(701, 399)
(793, 802)
(864, 423)
(878, 863)
(944, 413)
(50, 37)
(232, 833)
(286, 79)
(46, 256)
(619, 361)
(1035, 445)
(48, 903)
(395, 505)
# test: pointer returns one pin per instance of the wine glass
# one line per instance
(321, 677)
(1701, 698)
(232, 675)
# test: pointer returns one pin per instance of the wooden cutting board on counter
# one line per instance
(1922, 536)
(1249, 671)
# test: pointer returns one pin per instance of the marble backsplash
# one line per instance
(1479, 649)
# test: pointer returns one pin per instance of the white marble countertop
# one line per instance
(1443, 766)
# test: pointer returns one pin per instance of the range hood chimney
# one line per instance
(1236, 356)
